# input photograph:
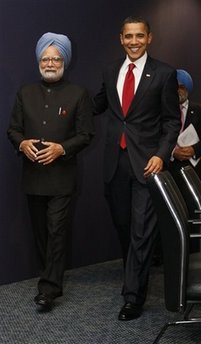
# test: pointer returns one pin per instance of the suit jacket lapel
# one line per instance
(190, 113)
(145, 81)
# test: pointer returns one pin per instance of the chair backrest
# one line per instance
(192, 191)
(174, 229)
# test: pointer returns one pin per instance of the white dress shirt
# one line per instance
(137, 71)
(184, 109)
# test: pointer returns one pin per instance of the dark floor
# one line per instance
(88, 311)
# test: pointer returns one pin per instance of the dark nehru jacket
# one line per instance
(59, 112)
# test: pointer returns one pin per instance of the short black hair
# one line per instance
(133, 19)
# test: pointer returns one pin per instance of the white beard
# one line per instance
(52, 75)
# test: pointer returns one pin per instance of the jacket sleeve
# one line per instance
(15, 130)
(170, 117)
(197, 125)
(84, 127)
(100, 101)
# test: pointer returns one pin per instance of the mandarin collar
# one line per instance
(53, 84)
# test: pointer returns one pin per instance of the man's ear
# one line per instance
(150, 37)
(121, 38)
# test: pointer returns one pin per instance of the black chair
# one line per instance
(192, 192)
(182, 270)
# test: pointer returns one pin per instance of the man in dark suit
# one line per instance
(139, 142)
(51, 122)
(188, 151)
(191, 115)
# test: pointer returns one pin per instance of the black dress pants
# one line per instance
(136, 222)
(50, 217)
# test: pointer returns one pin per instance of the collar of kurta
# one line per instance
(53, 84)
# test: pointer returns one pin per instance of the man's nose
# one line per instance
(50, 62)
(133, 40)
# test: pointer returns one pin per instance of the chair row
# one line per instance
(175, 208)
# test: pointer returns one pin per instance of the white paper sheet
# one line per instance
(189, 137)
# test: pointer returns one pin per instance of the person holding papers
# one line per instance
(188, 148)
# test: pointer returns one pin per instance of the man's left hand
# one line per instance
(48, 155)
(154, 165)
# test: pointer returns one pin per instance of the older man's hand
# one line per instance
(29, 149)
(50, 153)
(183, 153)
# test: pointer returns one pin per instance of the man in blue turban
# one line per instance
(185, 80)
(59, 41)
(51, 122)
(190, 153)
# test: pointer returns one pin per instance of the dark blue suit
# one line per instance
(151, 128)
(193, 116)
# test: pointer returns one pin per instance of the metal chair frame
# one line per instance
(176, 207)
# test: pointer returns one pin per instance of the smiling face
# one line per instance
(135, 38)
(51, 65)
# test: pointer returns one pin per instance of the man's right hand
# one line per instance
(28, 148)
(183, 153)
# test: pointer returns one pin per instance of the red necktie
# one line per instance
(182, 117)
(182, 121)
(127, 97)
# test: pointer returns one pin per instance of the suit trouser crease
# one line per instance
(50, 217)
(133, 212)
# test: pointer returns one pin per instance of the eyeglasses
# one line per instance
(56, 60)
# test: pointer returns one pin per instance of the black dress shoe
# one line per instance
(44, 301)
(130, 311)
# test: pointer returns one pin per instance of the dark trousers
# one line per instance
(135, 219)
(50, 217)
